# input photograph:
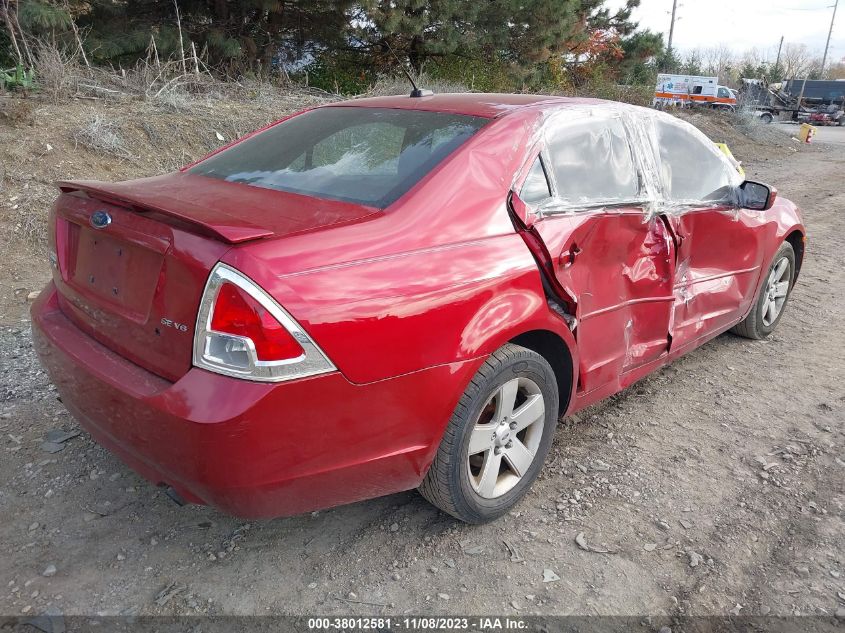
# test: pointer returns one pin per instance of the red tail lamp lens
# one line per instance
(236, 312)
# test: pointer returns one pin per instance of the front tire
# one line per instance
(497, 439)
(774, 293)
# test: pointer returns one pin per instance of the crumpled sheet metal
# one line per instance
(627, 259)
(648, 184)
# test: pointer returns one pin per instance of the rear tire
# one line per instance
(774, 294)
(497, 439)
(766, 118)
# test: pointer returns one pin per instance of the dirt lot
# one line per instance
(716, 486)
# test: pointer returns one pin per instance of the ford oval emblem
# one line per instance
(100, 219)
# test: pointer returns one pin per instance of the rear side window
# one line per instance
(363, 155)
(536, 186)
(692, 168)
(592, 162)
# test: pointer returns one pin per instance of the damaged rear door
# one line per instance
(615, 265)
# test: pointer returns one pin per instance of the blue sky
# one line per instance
(743, 24)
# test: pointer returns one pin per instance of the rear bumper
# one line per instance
(253, 450)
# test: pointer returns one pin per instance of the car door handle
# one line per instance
(568, 257)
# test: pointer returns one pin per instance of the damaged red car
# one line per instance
(399, 292)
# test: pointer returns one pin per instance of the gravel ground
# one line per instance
(713, 487)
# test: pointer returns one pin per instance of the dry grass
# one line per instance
(61, 75)
(102, 135)
(17, 111)
(28, 227)
(57, 74)
(65, 131)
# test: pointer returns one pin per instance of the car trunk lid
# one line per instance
(133, 258)
(229, 211)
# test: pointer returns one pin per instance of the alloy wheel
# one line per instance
(505, 438)
(777, 289)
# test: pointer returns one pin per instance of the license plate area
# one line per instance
(111, 271)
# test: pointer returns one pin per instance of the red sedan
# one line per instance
(399, 292)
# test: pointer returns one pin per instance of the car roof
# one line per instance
(481, 104)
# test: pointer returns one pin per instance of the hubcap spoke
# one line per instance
(780, 269)
(780, 289)
(481, 439)
(489, 474)
(771, 311)
(519, 458)
(529, 412)
(506, 399)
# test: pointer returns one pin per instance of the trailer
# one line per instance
(816, 91)
(804, 100)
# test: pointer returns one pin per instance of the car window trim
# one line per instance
(554, 207)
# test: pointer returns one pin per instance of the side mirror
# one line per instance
(757, 196)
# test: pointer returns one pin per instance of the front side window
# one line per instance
(723, 93)
(692, 168)
(592, 162)
(363, 155)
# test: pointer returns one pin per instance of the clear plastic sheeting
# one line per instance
(577, 151)
(694, 172)
(616, 155)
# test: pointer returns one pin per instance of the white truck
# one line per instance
(688, 90)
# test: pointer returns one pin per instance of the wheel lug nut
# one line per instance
(497, 450)
(513, 425)
(509, 445)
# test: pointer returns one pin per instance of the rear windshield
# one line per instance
(364, 155)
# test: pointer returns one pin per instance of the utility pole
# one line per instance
(672, 26)
(780, 47)
(829, 33)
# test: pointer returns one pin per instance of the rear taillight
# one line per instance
(238, 314)
(241, 331)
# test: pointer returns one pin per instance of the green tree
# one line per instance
(416, 31)
(643, 52)
(345, 43)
